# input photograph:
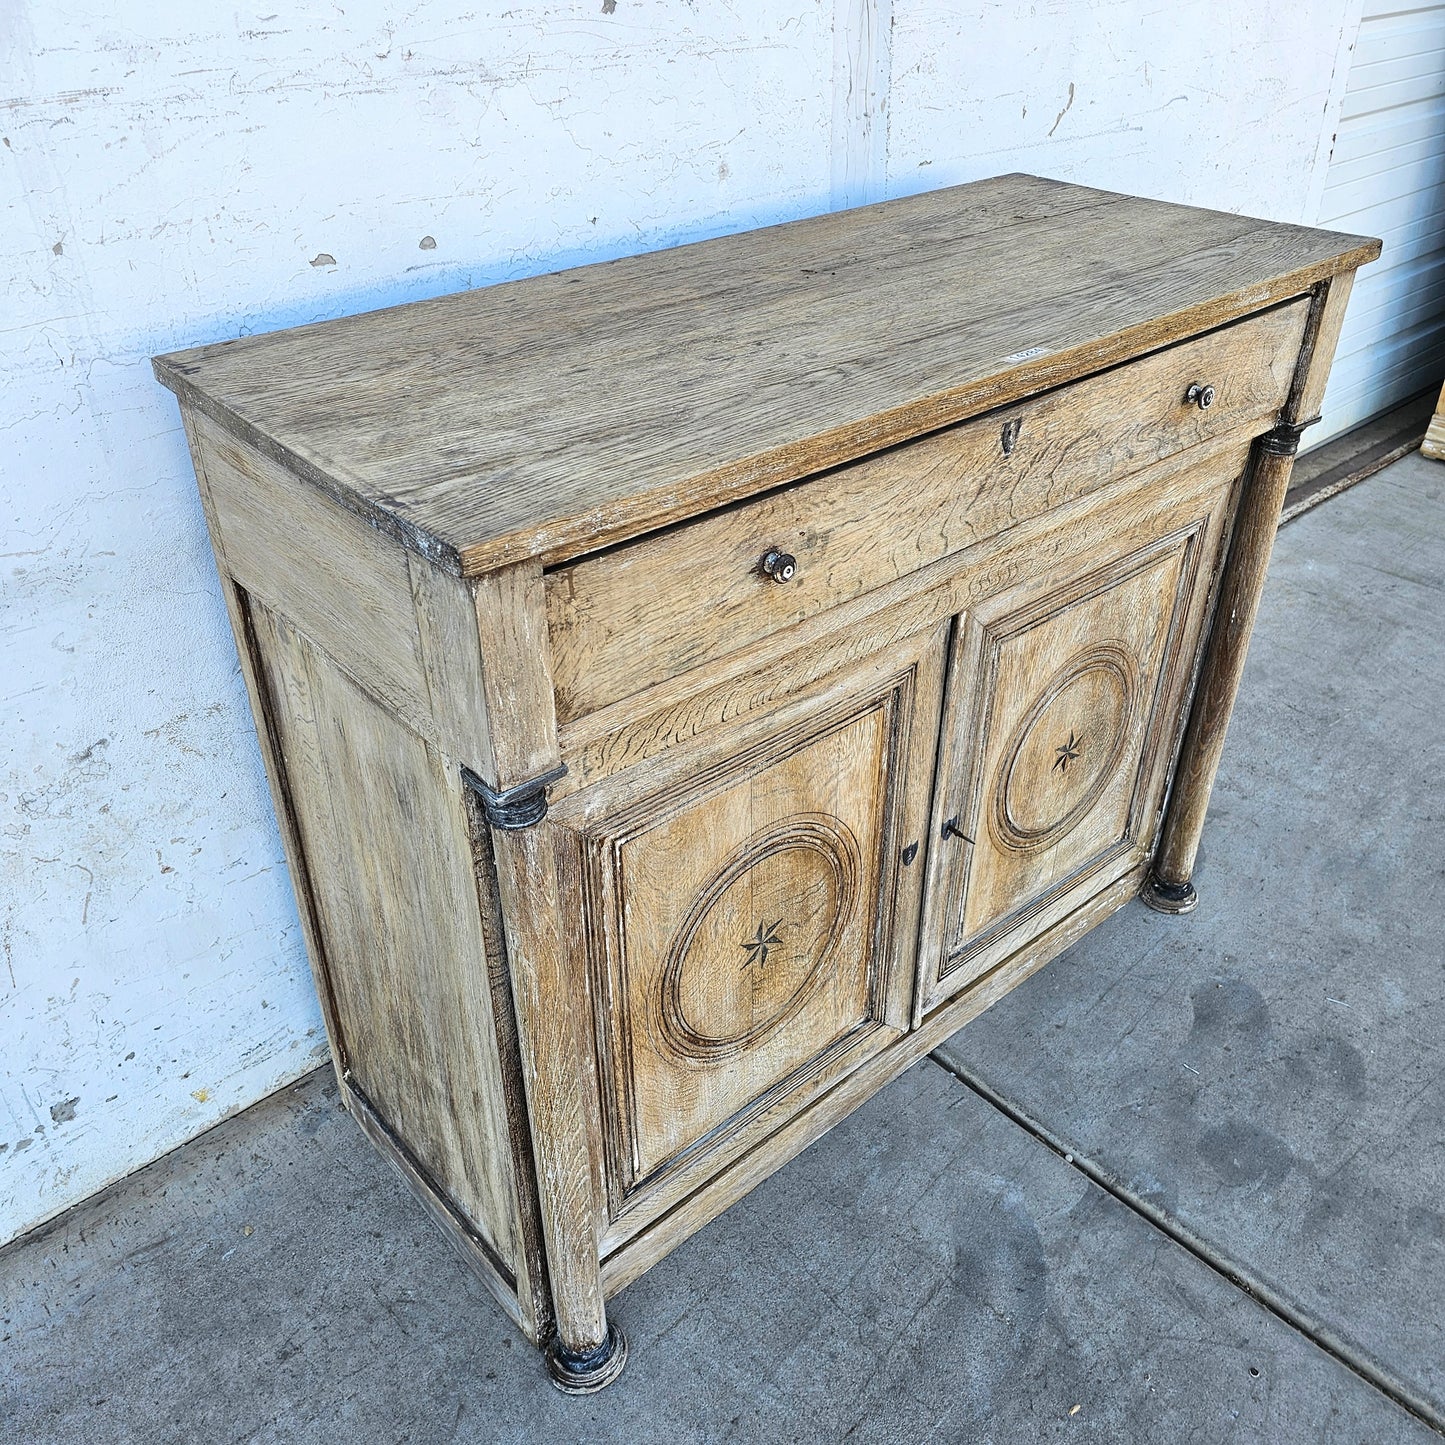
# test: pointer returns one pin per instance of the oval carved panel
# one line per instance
(1066, 748)
(759, 939)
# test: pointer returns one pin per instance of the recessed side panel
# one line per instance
(383, 826)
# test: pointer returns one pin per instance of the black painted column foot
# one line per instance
(1165, 897)
(586, 1374)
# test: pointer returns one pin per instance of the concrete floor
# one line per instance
(1267, 1072)
(1252, 1093)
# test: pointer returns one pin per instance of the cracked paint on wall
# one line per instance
(172, 176)
(1231, 106)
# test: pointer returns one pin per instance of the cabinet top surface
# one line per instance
(551, 416)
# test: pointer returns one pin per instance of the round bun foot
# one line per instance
(1165, 897)
(586, 1374)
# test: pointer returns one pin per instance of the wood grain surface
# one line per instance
(548, 978)
(321, 567)
(637, 1254)
(548, 417)
(1434, 444)
(381, 818)
(747, 912)
(735, 685)
(1065, 700)
(638, 614)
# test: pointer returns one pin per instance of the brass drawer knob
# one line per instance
(1201, 394)
(780, 566)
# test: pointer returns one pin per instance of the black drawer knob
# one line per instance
(1201, 394)
(780, 566)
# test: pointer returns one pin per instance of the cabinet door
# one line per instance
(750, 921)
(1062, 711)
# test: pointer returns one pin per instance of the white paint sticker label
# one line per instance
(1028, 355)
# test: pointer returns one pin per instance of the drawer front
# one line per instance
(626, 619)
(1064, 701)
(750, 926)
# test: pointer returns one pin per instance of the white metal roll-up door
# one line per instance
(1387, 178)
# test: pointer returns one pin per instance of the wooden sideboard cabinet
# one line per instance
(692, 686)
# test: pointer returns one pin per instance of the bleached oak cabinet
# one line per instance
(694, 685)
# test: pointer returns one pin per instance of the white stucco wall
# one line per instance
(175, 173)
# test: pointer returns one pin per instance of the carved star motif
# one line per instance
(758, 945)
(1067, 753)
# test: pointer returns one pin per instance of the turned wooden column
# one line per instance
(549, 996)
(1170, 888)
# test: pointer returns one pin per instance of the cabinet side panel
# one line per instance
(248, 660)
(1322, 336)
(383, 825)
(343, 584)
